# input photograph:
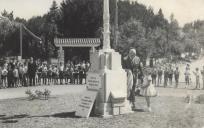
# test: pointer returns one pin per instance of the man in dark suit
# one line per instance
(32, 67)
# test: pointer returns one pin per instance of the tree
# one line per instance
(9, 37)
(132, 34)
(8, 15)
(76, 24)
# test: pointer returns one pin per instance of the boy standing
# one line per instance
(171, 72)
(202, 73)
(166, 75)
(159, 73)
(187, 75)
(197, 75)
(176, 75)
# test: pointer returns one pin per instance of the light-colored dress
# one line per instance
(129, 82)
(149, 90)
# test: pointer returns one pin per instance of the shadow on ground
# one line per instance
(60, 115)
(12, 119)
(15, 118)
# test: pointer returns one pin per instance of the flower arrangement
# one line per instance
(38, 94)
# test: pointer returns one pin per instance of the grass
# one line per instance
(58, 112)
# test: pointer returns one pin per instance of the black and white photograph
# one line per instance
(101, 63)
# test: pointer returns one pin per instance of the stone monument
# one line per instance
(112, 94)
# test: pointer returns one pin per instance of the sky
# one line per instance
(184, 10)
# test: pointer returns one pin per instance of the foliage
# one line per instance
(150, 33)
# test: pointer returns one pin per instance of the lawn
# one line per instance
(58, 112)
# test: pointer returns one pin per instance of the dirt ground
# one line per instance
(169, 111)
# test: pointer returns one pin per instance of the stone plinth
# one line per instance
(112, 96)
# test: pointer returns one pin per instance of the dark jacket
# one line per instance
(32, 68)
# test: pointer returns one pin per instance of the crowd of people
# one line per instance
(16, 74)
(165, 75)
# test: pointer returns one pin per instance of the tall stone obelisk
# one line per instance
(112, 96)
(106, 26)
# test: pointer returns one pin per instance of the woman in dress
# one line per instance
(147, 89)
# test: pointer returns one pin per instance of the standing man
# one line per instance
(32, 67)
(131, 64)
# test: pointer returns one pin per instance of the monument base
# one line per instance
(112, 96)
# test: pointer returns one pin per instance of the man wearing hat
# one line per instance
(132, 65)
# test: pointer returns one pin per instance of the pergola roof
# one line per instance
(77, 42)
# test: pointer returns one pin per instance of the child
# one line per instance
(147, 89)
(176, 75)
(1, 85)
(166, 74)
(170, 74)
(16, 76)
(159, 73)
(187, 76)
(49, 74)
(197, 75)
(202, 73)
(154, 76)
(4, 77)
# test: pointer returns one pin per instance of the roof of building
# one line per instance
(77, 42)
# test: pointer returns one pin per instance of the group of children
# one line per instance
(197, 74)
(16, 74)
(166, 75)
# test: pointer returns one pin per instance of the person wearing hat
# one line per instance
(131, 65)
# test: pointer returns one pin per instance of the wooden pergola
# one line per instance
(75, 42)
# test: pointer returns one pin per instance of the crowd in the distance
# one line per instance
(170, 75)
(31, 73)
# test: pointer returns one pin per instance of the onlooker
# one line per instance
(166, 75)
(10, 76)
(202, 73)
(1, 85)
(197, 75)
(32, 67)
(160, 72)
(176, 76)
(171, 72)
(44, 74)
(187, 76)
(154, 75)
(15, 76)
(61, 71)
